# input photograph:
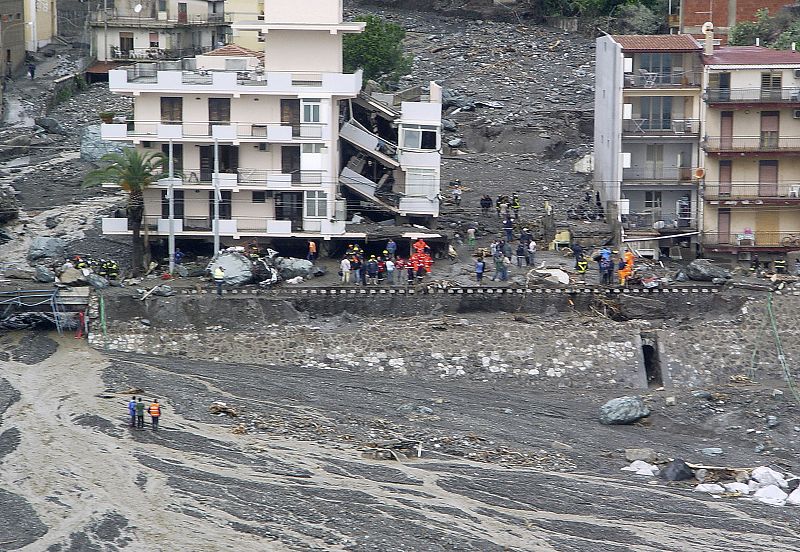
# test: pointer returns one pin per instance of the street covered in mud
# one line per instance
(253, 457)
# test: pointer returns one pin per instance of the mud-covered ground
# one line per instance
(502, 467)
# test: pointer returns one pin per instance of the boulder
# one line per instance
(640, 467)
(677, 470)
(290, 267)
(96, 281)
(704, 270)
(238, 268)
(451, 99)
(712, 488)
(448, 125)
(19, 274)
(712, 451)
(46, 247)
(794, 498)
(44, 274)
(737, 487)
(766, 476)
(771, 494)
(623, 410)
(643, 454)
(52, 126)
(72, 277)
(163, 291)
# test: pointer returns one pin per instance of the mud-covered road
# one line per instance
(503, 467)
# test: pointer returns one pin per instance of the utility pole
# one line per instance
(217, 196)
(171, 197)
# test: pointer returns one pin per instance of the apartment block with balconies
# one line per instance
(261, 135)
(159, 29)
(647, 131)
(751, 145)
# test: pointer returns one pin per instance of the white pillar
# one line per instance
(217, 196)
(171, 197)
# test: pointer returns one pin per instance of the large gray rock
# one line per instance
(93, 147)
(19, 274)
(290, 267)
(623, 410)
(705, 271)
(72, 277)
(96, 281)
(46, 247)
(51, 125)
(44, 274)
(238, 268)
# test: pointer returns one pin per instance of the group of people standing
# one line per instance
(388, 267)
(136, 410)
(606, 265)
(504, 205)
(501, 252)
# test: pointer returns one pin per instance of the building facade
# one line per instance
(12, 36)
(159, 29)
(752, 152)
(282, 141)
(41, 23)
(647, 135)
(242, 11)
(723, 14)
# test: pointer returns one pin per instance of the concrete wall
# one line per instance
(608, 118)
(312, 11)
(298, 51)
(747, 123)
(41, 23)
(12, 37)
(706, 338)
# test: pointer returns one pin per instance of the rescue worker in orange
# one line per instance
(625, 272)
(629, 258)
(420, 246)
(155, 413)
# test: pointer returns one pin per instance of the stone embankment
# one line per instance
(547, 340)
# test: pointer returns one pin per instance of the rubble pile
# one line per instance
(762, 483)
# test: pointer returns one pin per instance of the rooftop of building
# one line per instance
(751, 55)
(657, 43)
(234, 50)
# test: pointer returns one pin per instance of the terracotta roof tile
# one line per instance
(751, 55)
(663, 43)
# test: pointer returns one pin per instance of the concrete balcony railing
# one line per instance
(789, 95)
(783, 191)
(233, 226)
(661, 221)
(210, 130)
(247, 178)
(751, 144)
(754, 240)
(677, 78)
(639, 126)
(143, 77)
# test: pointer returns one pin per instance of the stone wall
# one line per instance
(550, 340)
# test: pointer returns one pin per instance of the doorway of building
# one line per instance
(289, 206)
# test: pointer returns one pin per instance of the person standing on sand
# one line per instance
(155, 413)
(132, 411)
(139, 414)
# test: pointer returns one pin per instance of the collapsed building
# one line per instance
(279, 144)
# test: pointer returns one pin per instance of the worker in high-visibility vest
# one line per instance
(155, 413)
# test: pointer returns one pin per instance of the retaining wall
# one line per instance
(542, 338)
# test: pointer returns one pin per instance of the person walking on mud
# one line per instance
(155, 413)
(132, 411)
(139, 414)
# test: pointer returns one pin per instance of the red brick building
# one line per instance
(722, 13)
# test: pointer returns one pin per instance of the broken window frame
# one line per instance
(420, 137)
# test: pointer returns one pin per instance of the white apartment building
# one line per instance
(647, 135)
(260, 134)
(158, 29)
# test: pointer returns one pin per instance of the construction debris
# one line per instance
(220, 408)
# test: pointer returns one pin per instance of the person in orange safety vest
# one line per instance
(155, 413)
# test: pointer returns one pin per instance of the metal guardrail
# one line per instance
(752, 190)
(744, 144)
(754, 239)
(663, 79)
(661, 127)
(752, 95)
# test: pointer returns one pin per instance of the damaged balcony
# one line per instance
(371, 144)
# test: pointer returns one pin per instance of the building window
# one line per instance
(316, 204)
(171, 109)
(162, 5)
(17, 16)
(311, 111)
(770, 122)
(259, 197)
(421, 183)
(771, 85)
(313, 148)
(656, 112)
(154, 40)
(420, 137)
(652, 200)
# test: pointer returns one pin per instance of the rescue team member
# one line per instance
(219, 279)
(155, 413)
(132, 411)
(583, 265)
(140, 414)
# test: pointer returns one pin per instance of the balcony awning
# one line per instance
(103, 67)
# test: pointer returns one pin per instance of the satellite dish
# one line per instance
(137, 8)
(707, 27)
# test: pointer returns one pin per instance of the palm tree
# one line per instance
(133, 170)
